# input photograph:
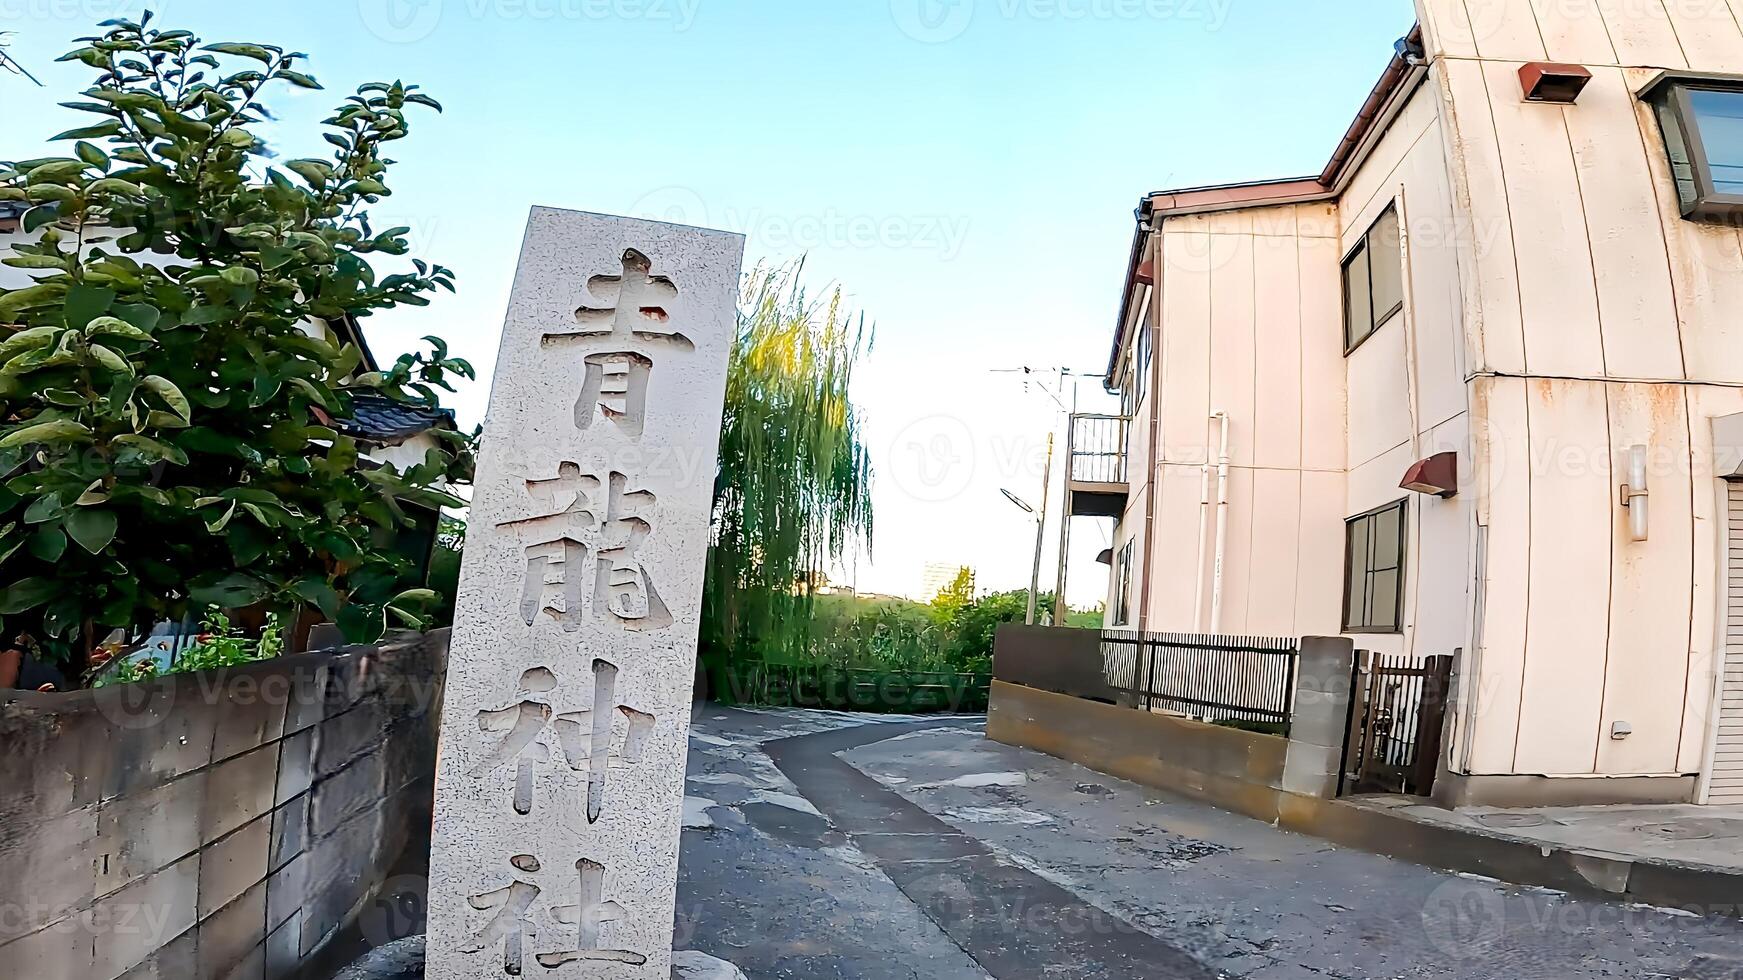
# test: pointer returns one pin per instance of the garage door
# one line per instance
(1727, 783)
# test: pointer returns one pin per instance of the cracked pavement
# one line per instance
(780, 889)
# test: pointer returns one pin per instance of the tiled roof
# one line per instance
(378, 418)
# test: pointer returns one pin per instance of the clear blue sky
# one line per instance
(967, 169)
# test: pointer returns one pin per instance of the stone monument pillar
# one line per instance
(560, 785)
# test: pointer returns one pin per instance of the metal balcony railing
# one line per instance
(1098, 448)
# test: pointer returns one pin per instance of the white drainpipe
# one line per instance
(1203, 541)
(1222, 524)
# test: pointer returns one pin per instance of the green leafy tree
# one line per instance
(169, 381)
(793, 491)
(953, 598)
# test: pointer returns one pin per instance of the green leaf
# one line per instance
(115, 185)
(92, 155)
(247, 543)
(57, 431)
(35, 262)
(109, 326)
(202, 315)
(99, 131)
(43, 509)
(60, 171)
(298, 79)
(37, 217)
(313, 171)
(319, 592)
(172, 396)
(151, 450)
(48, 544)
(40, 294)
(92, 528)
(142, 316)
(111, 361)
(254, 51)
(27, 594)
(25, 340)
(86, 303)
(232, 591)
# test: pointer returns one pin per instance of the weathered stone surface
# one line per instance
(560, 784)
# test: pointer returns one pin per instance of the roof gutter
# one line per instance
(1396, 84)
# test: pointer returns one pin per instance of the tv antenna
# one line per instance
(11, 64)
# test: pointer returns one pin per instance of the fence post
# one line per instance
(1430, 722)
(1318, 732)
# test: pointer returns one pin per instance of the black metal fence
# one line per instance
(1098, 448)
(1226, 679)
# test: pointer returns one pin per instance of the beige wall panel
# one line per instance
(1446, 28)
(1706, 268)
(1439, 600)
(1566, 627)
(1375, 483)
(1505, 29)
(1232, 348)
(1239, 552)
(1627, 233)
(1379, 394)
(1186, 299)
(1647, 679)
(1574, 32)
(1482, 196)
(1502, 483)
(1375, 182)
(1177, 523)
(1437, 307)
(1708, 33)
(1277, 322)
(1557, 293)
(1323, 376)
(1138, 466)
(1319, 589)
(1276, 552)
(1275, 222)
(1641, 33)
(1316, 220)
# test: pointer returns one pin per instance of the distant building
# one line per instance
(938, 576)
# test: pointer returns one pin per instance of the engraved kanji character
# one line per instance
(590, 912)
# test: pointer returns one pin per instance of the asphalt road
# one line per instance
(921, 850)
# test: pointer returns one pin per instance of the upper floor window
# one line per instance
(1140, 370)
(1373, 281)
(1123, 586)
(1702, 119)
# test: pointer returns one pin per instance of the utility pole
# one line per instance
(1059, 606)
(1040, 530)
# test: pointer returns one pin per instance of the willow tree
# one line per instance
(793, 491)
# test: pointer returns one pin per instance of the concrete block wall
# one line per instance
(216, 826)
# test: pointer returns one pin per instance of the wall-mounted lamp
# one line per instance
(1545, 81)
(1437, 476)
(1634, 493)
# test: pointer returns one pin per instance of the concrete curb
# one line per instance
(1126, 744)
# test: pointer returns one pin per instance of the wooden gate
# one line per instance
(1397, 709)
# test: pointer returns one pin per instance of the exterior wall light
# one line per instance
(1634, 493)
(1436, 476)
(1559, 84)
